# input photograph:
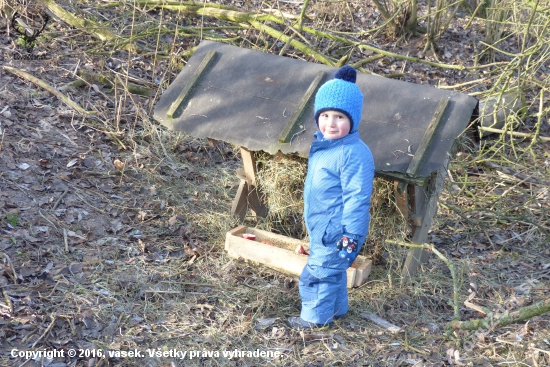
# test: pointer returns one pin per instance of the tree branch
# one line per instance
(69, 102)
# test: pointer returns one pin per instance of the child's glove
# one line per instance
(347, 248)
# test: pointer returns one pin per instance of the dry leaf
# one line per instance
(118, 164)
(44, 163)
(173, 220)
(72, 162)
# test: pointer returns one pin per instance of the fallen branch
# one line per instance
(294, 43)
(514, 133)
(367, 60)
(46, 86)
(256, 19)
(81, 23)
(163, 3)
(491, 321)
(88, 77)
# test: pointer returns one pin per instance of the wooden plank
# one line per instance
(350, 274)
(280, 258)
(274, 257)
(381, 322)
(255, 197)
(401, 198)
(237, 231)
(270, 236)
(249, 163)
(422, 150)
(240, 203)
(186, 91)
(286, 134)
(423, 207)
(363, 268)
(256, 202)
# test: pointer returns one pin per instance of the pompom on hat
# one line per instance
(341, 94)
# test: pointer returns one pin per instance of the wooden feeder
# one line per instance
(264, 102)
(277, 252)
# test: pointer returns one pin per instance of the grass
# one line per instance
(170, 285)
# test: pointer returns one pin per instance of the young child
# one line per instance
(337, 195)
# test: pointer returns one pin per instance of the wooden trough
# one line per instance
(278, 253)
(264, 102)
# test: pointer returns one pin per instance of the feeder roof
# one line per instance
(247, 97)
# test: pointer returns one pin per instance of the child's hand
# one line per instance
(347, 248)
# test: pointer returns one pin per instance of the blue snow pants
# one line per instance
(323, 298)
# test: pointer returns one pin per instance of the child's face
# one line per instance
(334, 124)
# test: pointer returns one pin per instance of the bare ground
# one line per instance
(112, 228)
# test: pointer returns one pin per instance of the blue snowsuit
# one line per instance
(337, 195)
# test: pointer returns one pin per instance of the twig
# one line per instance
(3, 133)
(197, 284)
(539, 350)
(454, 86)
(9, 305)
(449, 264)
(49, 221)
(151, 290)
(65, 240)
(59, 199)
(422, 61)
(24, 340)
(514, 133)
(41, 83)
(302, 15)
(9, 181)
(11, 266)
(45, 332)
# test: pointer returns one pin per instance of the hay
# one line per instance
(386, 223)
(282, 181)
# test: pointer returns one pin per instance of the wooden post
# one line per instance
(401, 198)
(424, 207)
(424, 199)
(248, 194)
(240, 204)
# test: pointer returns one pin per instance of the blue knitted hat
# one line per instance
(341, 94)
